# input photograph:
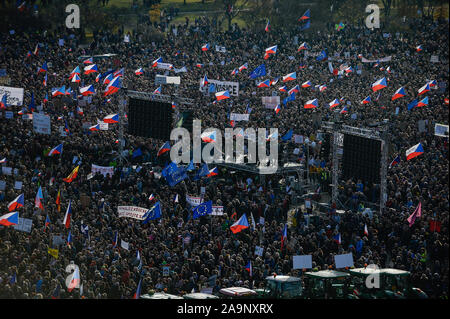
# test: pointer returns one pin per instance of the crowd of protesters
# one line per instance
(27, 270)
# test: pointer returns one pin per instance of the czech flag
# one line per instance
(284, 236)
(366, 231)
(113, 86)
(306, 84)
(108, 79)
(274, 81)
(398, 94)
(158, 90)
(112, 118)
(305, 16)
(295, 89)
(43, 68)
(234, 72)
(151, 197)
(367, 100)
(116, 239)
(45, 98)
(264, 84)
(174, 105)
(69, 238)
(80, 110)
(419, 48)
(414, 151)
(44, 82)
(36, 49)
(322, 88)
(95, 128)
(209, 137)
(213, 172)
(74, 280)
(423, 102)
(59, 91)
(283, 88)
(240, 224)
(311, 104)
(204, 80)
(249, 268)
(139, 71)
(222, 95)
(38, 199)
(89, 61)
(9, 219)
(164, 148)
(16, 203)
(137, 294)
(76, 78)
(277, 109)
(380, 84)
(3, 102)
(302, 46)
(432, 83)
(348, 69)
(68, 215)
(344, 110)
(271, 50)
(205, 47)
(155, 63)
(199, 65)
(243, 67)
(290, 77)
(90, 69)
(72, 175)
(267, 26)
(87, 90)
(3, 161)
(98, 77)
(47, 221)
(56, 150)
(337, 238)
(424, 89)
(119, 72)
(395, 161)
(75, 71)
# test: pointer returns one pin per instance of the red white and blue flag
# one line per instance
(423, 102)
(87, 90)
(334, 103)
(264, 84)
(283, 88)
(267, 26)
(205, 47)
(240, 224)
(380, 84)
(284, 236)
(204, 80)
(56, 150)
(424, 89)
(303, 46)
(164, 148)
(155, 63)
(68, 215)
(398, 94)
(306, 84)
(16, 203)
(249, 268)
(290, 77)
(113, 86)
(213, 172)
(311, 104)
(222, 95)
(414, 151)
(90, 69)
(305, 16)
(243, 67)
(209, 137)
(395, 161)
(139, 71)
(9, 219)
(158, 90)
(88, 61)
(38, 199)
(367, 100)
(112, 118)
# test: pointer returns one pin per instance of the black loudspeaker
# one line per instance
(361, 159)
(325, 148)
(149, 119)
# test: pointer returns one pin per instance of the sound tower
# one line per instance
(149, 118)
(361, 159)
(325, 148)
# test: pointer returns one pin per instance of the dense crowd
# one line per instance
(27, 270)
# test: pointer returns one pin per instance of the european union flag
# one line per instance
(137, 153)
(169, 169)
(288, 135)
(322, 56)
(212, 88)
(152, 213)
(290, 98)
(190, 167)
(259, 71)
(412, 104)
(202, 209)
(202, 172)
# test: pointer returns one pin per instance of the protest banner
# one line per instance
(41, 123)
(131, 212)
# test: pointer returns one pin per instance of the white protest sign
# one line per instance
(41, 123)
(434, 59)
(270, 102)
(104, 170)
(193, 201)
(132, 212)
(344, 260)
(18, 185)
(217, 211)
(2, 185)
(24, 225)
(221, 49)
(6, 170)
(302, 262)
(232, 87)
(124, 244)
(441, 130)
(259, 251)
(239, 117)
(103, 126)
(164, 66)
(298, 139)
(14, 95)
(9, 115)
(386, 59)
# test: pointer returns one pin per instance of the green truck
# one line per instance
(328, 284)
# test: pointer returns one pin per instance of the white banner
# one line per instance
(193, 201)
(385, 59)
(221, 49)
(164, 66)
(183, 69)
(232, 87)
(302, 262)
(162, 79)
(131, 212)
(103, 126)
(14, 95)
(270, 101)
(239, 117)
(217, 210)
(434, 59)
(41, 123)
(344, 260)
(102, 170)
(24, 225)
(441, 130)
